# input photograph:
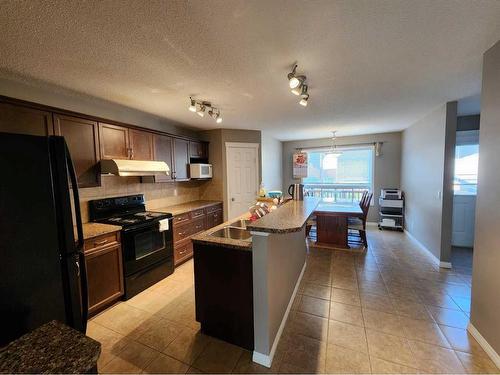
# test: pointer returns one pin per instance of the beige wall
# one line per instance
(272, 162)
(427, 186)
(217, 188)
(387, 165)
(485, 312)
(157, 195)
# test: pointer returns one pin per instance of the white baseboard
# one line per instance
(484, 344)
(429, 253)
(267, 359)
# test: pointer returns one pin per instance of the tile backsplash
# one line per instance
(156, 194)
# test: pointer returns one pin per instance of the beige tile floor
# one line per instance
(389, 310)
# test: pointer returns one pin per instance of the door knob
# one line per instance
(232, 199)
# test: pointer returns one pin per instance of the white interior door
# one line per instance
(464, 213)
(242, 176)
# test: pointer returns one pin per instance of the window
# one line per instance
(343, 175)
(466, 163)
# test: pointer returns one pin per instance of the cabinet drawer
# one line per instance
(213, 208)
(101, 241)
(181, 218)
(181, 232)
(198, 225)
(197, 213)
(214, 218)
(183, 251)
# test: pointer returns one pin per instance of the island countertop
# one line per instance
(288, 218)
(206, 237)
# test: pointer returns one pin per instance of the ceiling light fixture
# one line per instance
(218, 120)
(298, 85)
(200, 107)
(192, 106)
(201, 111)
(304, 95)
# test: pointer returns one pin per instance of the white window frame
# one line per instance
(344, 148)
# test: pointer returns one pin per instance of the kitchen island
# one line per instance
(245, 287)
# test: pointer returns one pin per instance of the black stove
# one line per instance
(147, 247)
(133, 219)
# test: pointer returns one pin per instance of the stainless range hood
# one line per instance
(120, 167)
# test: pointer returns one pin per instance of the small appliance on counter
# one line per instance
(200, 171)
(147, 239)
(391, 209)
(296, 191)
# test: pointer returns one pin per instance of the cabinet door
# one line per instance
(195, 149)
(141, 145)
(114, 142)
(181, 159)
(83, 142)
(213, 219)
(25, 120)
(104, 275)
(163, 152)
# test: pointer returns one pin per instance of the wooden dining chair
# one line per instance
(359, 224)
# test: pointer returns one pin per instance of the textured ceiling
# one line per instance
(372, 66)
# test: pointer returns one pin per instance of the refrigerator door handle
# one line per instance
(80, 262)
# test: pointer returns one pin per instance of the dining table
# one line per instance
(331, 222)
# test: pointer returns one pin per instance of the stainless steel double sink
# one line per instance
(236, 231)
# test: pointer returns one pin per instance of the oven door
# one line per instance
(145, 246)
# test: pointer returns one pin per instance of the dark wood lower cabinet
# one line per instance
(190, 223)
(104, 272)
(224, 293)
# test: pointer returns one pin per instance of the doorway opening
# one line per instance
(465, 191)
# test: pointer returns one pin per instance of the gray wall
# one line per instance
(470, 122)
(485, 310)
(272, 162)
(424, 146)
(277, 261)
(387, 165)
(47, 94)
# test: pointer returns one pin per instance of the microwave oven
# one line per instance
(200, 170)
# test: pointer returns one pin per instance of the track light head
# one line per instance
(192, 106)
(303, 101)
(201, 111)
(218, 119)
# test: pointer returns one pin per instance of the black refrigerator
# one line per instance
(42, 268)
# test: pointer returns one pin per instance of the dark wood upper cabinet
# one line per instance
(181, 159)
(163, 152)
(25, 120)
(141, 145)
(114, 141)
(198, 149)
(82, 138)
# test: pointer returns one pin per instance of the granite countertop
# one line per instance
(207, 239)
(91, 230)
(182, 208)
(289, 217)
(51, 348)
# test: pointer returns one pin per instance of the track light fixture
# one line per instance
(200, 107)
(298, 85)
(304, 96)
(192, 106)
